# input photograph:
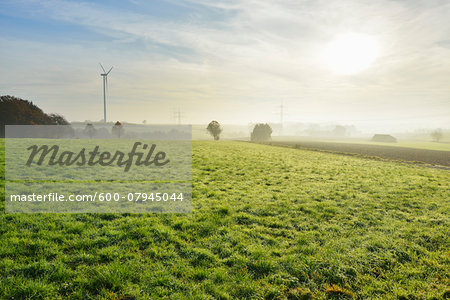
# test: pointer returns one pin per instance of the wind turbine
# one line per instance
(105, 84)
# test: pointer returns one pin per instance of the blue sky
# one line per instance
(233, 61)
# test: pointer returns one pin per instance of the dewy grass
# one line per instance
(267, 222)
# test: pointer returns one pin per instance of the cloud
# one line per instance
(238, 54)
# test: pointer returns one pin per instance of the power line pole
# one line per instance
(178, 115)
(281, 113)
(281, 117)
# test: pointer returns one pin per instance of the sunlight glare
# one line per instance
(351, 53)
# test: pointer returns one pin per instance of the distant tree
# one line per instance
(437, 135)
(89, 130)
(214, 129)
(103, 133)
(117, 129)
(58, 119)
(339, 130)
(261, 132)
(144, 122)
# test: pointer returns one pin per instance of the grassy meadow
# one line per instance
(267, 223)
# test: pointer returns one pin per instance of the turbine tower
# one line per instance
(105, 84)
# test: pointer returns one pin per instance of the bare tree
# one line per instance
(437, 135)
(90, 130)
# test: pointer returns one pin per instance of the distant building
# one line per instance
(384, 138)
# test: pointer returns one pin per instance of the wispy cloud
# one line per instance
(250, 52)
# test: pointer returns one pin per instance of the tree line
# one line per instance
(261, 132)
(16, 111)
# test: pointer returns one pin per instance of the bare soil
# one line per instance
(433, 157)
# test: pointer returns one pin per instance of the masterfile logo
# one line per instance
(53, 155)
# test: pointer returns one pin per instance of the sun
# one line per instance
(351, 53)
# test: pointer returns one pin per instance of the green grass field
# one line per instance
(268, 223)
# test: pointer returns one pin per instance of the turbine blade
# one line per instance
(102, 68)
(109, 70)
